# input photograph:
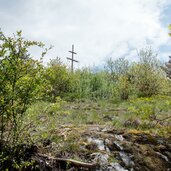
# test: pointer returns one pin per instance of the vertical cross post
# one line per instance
(72, 59)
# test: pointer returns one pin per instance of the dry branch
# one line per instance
(70, 161)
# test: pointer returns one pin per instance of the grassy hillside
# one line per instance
(52, 119)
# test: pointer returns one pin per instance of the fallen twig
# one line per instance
(70, 161)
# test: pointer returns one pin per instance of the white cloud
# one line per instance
(98, 28)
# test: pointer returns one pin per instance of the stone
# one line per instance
(117, 167)
(117, 145)
(101, 159)
(126, 159)
(98, 142)
(119, 137)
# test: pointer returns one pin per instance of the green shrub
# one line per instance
(21, 83)
(146, 74)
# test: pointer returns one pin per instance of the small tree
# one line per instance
(117, 67)
(124, 87)
(146, 74)
(58, 77)
(21, 82)
(82, 83)
(118, 71)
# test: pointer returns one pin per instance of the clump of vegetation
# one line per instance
(59, 79)
(147, 74)
(21, 83)
(149, 113)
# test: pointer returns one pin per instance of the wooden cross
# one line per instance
(72, 59)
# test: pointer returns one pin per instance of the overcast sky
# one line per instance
(99, 29)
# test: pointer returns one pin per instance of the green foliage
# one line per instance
(44, 108)
(116, 68)
(89, 85)
(58, 77)
(145, 108)
(146, 74)
(20, 83)
(118, 74)
(150, 114)
(119, 82)
(81, 84)
(99, 86)
(15, 158)
(142, 107)
(41, 118)
(123, 87)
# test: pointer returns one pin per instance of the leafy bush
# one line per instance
(59, 79)
(21, 82)
(146, 74)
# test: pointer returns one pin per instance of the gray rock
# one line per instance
(98, 142)
(100, 158)
(117, 146)
(117, 167)
(119, 137)
(126, 159)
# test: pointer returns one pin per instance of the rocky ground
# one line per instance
(100, 148)
(91, 136)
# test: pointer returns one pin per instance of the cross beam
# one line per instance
(72, 59)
